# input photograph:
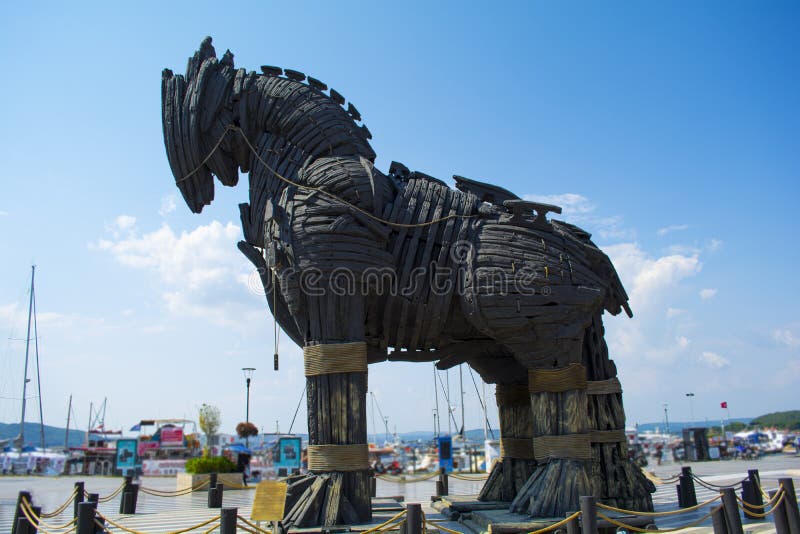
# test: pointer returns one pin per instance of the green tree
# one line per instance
(210, 421)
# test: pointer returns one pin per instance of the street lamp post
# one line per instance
(248, 375)
(691, 407)
(666, 416)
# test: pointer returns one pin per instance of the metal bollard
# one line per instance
(444, 481)
(126, 488)
(749, 496)
(755, 478)
(679, 490)
(414, 518)
(373, 486)
(687, 482)
(573, 527)
(439, 488)
(589, 514)
(212, 480)
(86, 518)
(18, 511)
(23, 525)
(779, 515)
(79, 487)
(227, 521)
(790, 503)
(718, 520)
(732, 517)
(37, 512)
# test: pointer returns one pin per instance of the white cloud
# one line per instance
(714, 244)
(168, 205)
(646, 277)
(202, 274)
(672, 228)
(577, 209)
(786, 337)
(707, 293)
(674, 312)
(571, 203)
(714, 360)
(683, 341)
(125, 222)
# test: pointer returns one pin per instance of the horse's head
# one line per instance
(195, 114)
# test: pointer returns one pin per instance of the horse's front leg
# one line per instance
(336, 377)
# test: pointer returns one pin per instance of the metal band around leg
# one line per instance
(334, 358)
(521, 448)
(567, 378)
(338, 457)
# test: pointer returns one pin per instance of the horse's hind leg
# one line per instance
(516, 463)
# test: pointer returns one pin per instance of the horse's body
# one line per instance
(410, 267)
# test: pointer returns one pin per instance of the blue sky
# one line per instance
(668, 130)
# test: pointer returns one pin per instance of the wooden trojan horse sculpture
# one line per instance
(360, 267)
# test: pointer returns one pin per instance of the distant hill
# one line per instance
(789, 420)
(53, 436)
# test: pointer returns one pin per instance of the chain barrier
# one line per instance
(559, 524)
(435, 524)
(716, 487)
(470, 478)
(660, 481)
(109, 496)
(58, 511)
(250, 524)
(177, 493)
(132, 531)
(41, 526)
(780, 495)
(694, 523)
(659, 514)
(405, 479)
(769, 502)
(395, 521)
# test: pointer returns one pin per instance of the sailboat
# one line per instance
(26, 459)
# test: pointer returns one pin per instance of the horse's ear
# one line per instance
(205, 51)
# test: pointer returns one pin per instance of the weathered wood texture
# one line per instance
(403, 263)
(510, 474)
(556, 486)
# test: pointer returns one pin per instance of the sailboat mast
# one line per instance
(461, 387)
(38, 370)
(436, 421)
(27, 352)
(66, 434)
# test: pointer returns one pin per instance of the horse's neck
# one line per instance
(299, 115)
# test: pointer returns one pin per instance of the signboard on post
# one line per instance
(171, 436)
(269, 501)
(289, 454)
(127, 457)
(446, 453)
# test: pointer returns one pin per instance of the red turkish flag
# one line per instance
(723, 404)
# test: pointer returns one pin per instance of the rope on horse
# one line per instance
(520, 448)
(234, 128)
(338, 457)
(333, 358)
(567, 378)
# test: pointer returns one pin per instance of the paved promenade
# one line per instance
(163, 514)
